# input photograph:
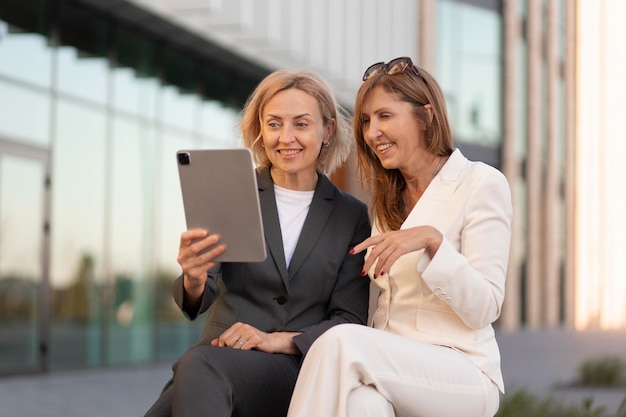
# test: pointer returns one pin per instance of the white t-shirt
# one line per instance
(293, 206)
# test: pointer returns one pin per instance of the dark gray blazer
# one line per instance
(322, 287)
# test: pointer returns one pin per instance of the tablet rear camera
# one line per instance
(183, 158)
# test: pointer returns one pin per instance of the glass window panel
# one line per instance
(24, 56)
(178, 108)
(24, 114)
(134, 95)
(469, 70)
(78, 225)
(226, 87)
(174, 333)
(21, 215)
(82, 56)
(21, 245)
(130, 339)
(170, 203)
(82, 76)
(179, 104)
(219, 125)
(135, 83)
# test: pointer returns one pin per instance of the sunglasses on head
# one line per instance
(395, 66)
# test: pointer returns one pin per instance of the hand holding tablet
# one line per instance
(220, 194)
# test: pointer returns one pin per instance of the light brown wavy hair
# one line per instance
(386, 186)
(340, 140)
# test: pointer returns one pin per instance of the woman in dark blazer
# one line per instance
(263, 317)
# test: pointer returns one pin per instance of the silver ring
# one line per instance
(241, 342)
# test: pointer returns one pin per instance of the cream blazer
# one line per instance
(452, 299)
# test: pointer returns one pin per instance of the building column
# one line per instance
(510, 318)
(552, 200)
(570, 159)
(534, 166)
(427, 34)
(600, 146)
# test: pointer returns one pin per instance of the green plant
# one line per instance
(606, 371)
(521, 403)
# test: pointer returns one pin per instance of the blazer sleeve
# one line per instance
(472, 280)
(211, 291)
(349, 299)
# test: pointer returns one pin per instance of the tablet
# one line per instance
(220, 194)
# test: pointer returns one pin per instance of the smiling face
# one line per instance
(392, 131)
(293, 134)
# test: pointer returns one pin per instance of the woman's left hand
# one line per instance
(246, 337)
(389, 246)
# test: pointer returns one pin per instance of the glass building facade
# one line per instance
(92, 112)
(469, 69)
(96, 100)
(469, 58)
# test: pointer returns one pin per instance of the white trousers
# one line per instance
(357, 371)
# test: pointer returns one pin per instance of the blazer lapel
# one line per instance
(438, 191)
(271, 224)
(321, 207)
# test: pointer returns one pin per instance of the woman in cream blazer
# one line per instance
(437, 260)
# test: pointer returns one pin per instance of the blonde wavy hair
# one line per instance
(340, 140)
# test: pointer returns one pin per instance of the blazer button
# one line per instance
(281, 300)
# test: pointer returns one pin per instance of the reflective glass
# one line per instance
(170, 205)
(174, 333)
(178, 101)
(121, 114)
(225, 88)
(134, 95)
(130, 338)
(24, 114)
(78, 233)
(82, 58)
(178, 109)
(21, 245)
(24, 56)
(82, 77)
(469, 70)
(135, 84)
(219, 125)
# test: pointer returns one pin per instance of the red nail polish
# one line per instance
(382, 272)
(375, 276)
(352, 251)
(363, 273)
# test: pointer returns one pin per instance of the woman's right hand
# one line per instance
(193, 262)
